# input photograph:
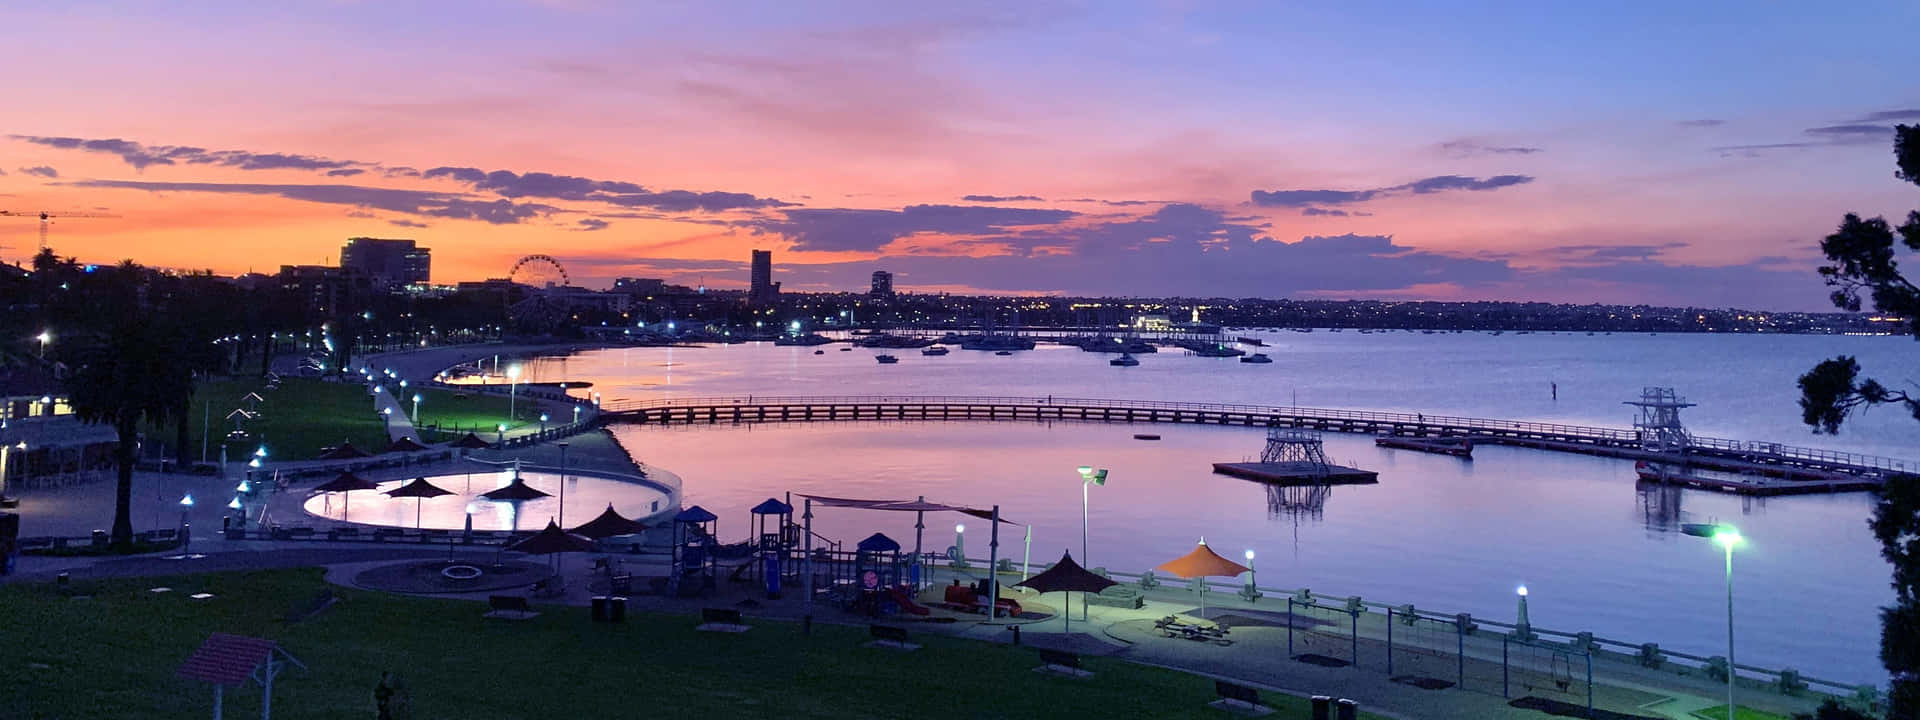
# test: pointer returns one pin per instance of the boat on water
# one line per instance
(819, 352)
(1004, 352)
(1257, 359)
(846, 349)
(1125, 360)
(886, 359)
(935, 350)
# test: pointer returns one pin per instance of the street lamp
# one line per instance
(1088, 478)
(576, 414)
(44, 337)
(563, 479)
(1726, 536)
(960, 545)
(503, 434)
(416, 409)
(513, 384)
(543, 423)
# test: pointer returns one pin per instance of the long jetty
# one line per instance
(1733, 455)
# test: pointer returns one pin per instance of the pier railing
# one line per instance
(1433, 423)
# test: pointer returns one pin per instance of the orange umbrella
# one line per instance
(1203, 562)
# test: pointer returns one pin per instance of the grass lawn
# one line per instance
(114, 655)
(305, 415)
(1719, 712)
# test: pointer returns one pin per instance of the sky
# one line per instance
(1631, 152)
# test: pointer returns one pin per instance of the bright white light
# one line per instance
(243, 487)
(1522, 591)
(1249, 554)
(416, 397)
(187, 501)
(513, 371)
(960, 528)
(235, 504)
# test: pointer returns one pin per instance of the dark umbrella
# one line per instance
(1066, 576)
(609, 524)
(516, 490)
(405, 444)
(419, 490)
(470, 441)
(343, 483)
(344, 451)
(552, 541)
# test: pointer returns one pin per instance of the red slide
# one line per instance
(905, 601)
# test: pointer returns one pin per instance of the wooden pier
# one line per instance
(1297, 473)
(1733, 455)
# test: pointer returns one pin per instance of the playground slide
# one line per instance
(905, 601)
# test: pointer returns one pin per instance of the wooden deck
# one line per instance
(1734, 455)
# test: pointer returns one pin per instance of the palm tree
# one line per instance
(133, 374)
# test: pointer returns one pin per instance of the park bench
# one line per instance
(509, 607)
(1061, 662)
(1120, 596)
(890, 636)
(385, 534)
(1235, 697)
(726, 620)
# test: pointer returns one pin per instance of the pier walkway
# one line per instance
(1734, 455)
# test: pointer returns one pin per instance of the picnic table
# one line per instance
(1171, 626)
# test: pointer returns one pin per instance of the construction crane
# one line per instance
(47, 218)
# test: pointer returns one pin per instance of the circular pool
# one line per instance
(586, 496)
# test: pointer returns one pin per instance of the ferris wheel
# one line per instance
(539, 271)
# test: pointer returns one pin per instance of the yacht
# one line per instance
(935, 350)
(1004, 352)
(819, 352)
(1125, 360)
(886, 359)
(1257, 359)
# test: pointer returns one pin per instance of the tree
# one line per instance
(1864, 261)
(131, 374)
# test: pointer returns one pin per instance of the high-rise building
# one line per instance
(763, 290)
(882, 284)
(387, 263)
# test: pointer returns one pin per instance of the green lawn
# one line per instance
(1719, 712)
(113, 655)
(305, 415)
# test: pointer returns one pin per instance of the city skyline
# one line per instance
(1642, 154)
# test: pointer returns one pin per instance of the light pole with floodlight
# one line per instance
(1726, 536)
(44, 337)
(416, 408)
(513, 384)
(1089, 476)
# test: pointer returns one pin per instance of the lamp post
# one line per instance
(576, 414)
(503, 435)
(563, 481)
(416, 408)
(1250, 580)
(543, 424)
(960, 545)
(1089, 476)
(513, 385)
(186, 529)
(44, 337)
(1726, 536)
(1524, 627)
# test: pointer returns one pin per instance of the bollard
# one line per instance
(1322, 707)
(617, 609)
(1348, 710)
(1016, 633)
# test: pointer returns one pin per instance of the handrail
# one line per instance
(1444, 422)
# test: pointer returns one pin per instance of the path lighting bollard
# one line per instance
(503, 435)
(1250, 592)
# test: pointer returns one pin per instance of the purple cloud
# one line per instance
(1702, 123)
(344, 172)
(1885, 115)
(853, 229)
(1001, 198)
(1423, 186)
(1471, 148)
(143, 156)
(42, 171)
(407, 223)
(592, 224)
(410, 202)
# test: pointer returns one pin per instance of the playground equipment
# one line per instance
(694, 544)
(770, 549)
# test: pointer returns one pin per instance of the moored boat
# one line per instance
(1257, 359)
(1125, 360)
(886, 359)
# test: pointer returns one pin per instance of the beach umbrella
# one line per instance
(470, 441)
(344, 451)
(419, 490)
(514, 491)
(552, 541)
(1202, 562)
(1066, 576)
(343, 483)
(609, 524)
(405, 444)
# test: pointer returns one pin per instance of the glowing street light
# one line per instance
(503, 434)
(1726, 536)
(513, 382)
(1089, 476)
(960, 545)
(576, 414)
(44, 337)
(416, 408)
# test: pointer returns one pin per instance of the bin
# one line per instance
(99, 538)
(616, 609)
(1322, 707)
(1346, 710)
(599, 608)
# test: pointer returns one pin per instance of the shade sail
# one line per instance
(345, 482)
(552, 540)
(878, 542)
(1202, 562)
(419, 488)
(695, 514)
(405, 444)
(344, 451)
(1066, 576)
(771, 506)
(904, 506)
(470, 441)
(609, 524)
(516, 490)
(849, 502)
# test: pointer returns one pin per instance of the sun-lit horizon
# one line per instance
(1640, 154)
